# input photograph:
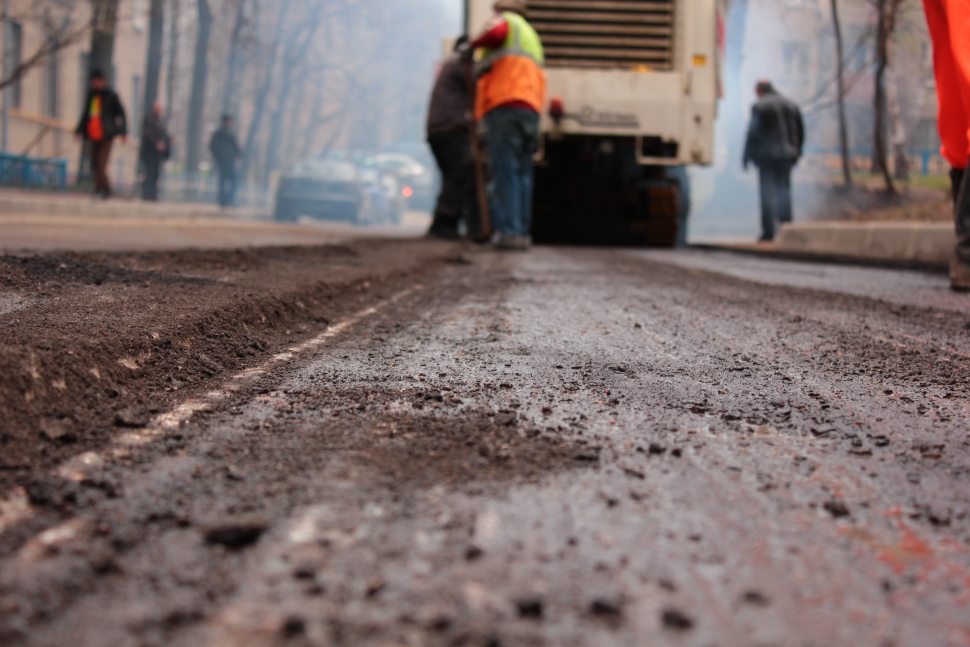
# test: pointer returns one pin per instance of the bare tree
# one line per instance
(57, 23)
(199, 79)
(263, 93)
(886, 12)
(173, 48)
(897, 127)
(104, 22)
(293, 55)
(153, 67)
(235, 45)
(840, 80)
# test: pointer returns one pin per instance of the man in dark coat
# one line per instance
(155, 150)
(448, 136)
(775, 139)
(103, 119)
(225, 151)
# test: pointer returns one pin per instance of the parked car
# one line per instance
(417, 181)
(324, 188)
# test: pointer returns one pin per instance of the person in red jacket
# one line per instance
(103, 119)
(949, 23)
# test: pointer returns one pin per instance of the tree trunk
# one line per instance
(104, 22)
(840, 71)
(153, 68)
(200, 70)
(897, 127)
(229, 93)
(886, 13)
(173, 49)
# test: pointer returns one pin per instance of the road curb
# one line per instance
(897, 243)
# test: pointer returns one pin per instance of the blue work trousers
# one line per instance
(227, 186)
(512, 138)
(775, 196)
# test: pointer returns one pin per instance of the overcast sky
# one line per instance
(452, 13)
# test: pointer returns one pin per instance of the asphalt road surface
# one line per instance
(575, 447)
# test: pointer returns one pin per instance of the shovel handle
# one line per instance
(483, 212)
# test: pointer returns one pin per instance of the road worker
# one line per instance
(949, 24)
(448, 124)
(510, 94)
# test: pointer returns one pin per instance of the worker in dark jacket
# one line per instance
(103, 119)
(155, 150)
(448, 136)
(225, 151)
(775, 139)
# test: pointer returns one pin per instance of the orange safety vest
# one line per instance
(95, 125)
(514, 72)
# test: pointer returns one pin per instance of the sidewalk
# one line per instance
(39, 222)
(915, 244)
(28, 203)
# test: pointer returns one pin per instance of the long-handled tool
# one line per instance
(485, 219)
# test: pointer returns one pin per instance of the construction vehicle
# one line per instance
(633, 91)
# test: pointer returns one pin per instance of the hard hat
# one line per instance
(520, 7)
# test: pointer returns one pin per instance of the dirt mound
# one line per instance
(99, 342)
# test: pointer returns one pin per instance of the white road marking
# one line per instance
(15, 507)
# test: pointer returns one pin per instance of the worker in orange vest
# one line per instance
(510, 94)
(949, 23)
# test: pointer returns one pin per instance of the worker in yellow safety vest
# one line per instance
(510, 95)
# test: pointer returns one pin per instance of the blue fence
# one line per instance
(32, 173)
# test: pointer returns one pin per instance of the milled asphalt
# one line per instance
(565, 447)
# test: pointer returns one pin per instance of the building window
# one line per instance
(13, 56)
(52, 95)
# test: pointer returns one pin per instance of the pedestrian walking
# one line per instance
(103, 119)
(949, 24)
(225, 151)
(448, 124)
(775, 139)
(510, 94)
(156, 145)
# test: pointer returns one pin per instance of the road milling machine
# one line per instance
(633, 91)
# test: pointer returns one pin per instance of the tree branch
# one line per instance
(52, 44)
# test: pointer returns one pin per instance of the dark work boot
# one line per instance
(960, 266)
(956, 180)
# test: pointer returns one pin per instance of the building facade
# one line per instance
(42, 108)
